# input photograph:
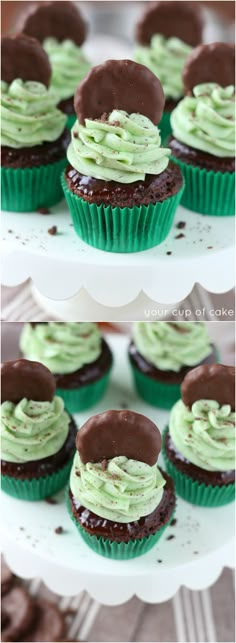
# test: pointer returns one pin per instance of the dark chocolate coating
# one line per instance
(154, 188)
(167, 377)
(18, 613)
(115, 433)
(181, 463)
(22, 378)
(197, 158)
(124, 532)
(60, 20)
(24, 57)
(210, 382)
(48, 623)
(67, 106)
(43, 154)
(213, 63)
(119, 84)
(45, 466)
(180, 19)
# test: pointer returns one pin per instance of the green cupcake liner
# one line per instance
(208, 192)
(121, 229)
(37, 488)
(118, 551)
(195, 492)
(165, 127)
(80, 399)
(155, 393)
(70, 121)
(27, 189)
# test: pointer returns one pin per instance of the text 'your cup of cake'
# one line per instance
(120, 186)
(203, 126)
(62, 30)
(119, 499)
(37, 434)
(166, 33)
(33, 134)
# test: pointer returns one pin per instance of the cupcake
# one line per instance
(119, 499)
(33, 134)
(203, 125)
(77, 355)
(199, 444)
(162, 353)
(61, 29)
(166, 34)
(121, 190)
(37, 435)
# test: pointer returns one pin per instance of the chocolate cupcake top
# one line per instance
(28, 108)
(64, 347)
(115, 138)
(61, 29)
(206, 120)
(34, 424)
(167, 31)
(114, 472)
(202, 424)
(171, 345)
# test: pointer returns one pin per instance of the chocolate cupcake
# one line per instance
(33, 134)
(77, 355)
(162, 353)
(203, 125)
(121, 190)
(61, 29)
(119, 499)
(199, 444)
(166, 34)
(37, 434)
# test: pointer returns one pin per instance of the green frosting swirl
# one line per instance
(124, 492)
(124, 148)
(206, 120)
(172, 345)
(63, 347)
(166, 58)
(33, 430)
(69, 66)
(205, 435)
(29, 115)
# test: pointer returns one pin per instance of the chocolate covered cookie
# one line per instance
(182, 20)
(23, 57)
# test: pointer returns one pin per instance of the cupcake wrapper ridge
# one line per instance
(28, 189)
(37, 488)
(156, 393)
(80, 399)
(165, 127)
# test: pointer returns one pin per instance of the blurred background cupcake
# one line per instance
(160, 355)
(77, 355)
(62, 30)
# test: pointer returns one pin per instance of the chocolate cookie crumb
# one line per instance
(51, 501)
(52, 230)
(173, 522)
(170, 537)
(181, 225)
(43, 211)
(209, 247)
(104, 464)
(159, 561)
(169, 252)
(180, 236)
(58, 530)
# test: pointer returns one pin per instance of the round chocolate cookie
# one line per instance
(155, 188)
(24, 57)
(212, 63)
(124, 532)
(37, 155)
(24, 378)
(210, 382)
(60, 20)
(45, 466)
(17, 614)
(182, 20)
(48, 623)
(200, 159)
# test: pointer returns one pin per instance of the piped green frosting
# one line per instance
(69, 66)
(166, 58)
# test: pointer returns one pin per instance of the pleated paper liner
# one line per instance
(37, 488)
(207, 192)
(80, 399)
(195, 492)
(27, 189)
(155, 393)
(70, 121)
(118, 551)
(121, 229)
(165, 128)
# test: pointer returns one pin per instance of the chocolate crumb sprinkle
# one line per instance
(169, 252)
(181, 225)
(170, 537)
(104, 464)
(52, 230)
(51, 501)
(43, 211)
(173, 522)
(58, 530)
(180, 236)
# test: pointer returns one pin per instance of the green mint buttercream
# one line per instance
(206, 120)
(33, 430)
(124, 492)
(69, 66)
(165, 57)
(63, 347)
(171, 345)
(29, 115)
(124, 148)
(205, 435)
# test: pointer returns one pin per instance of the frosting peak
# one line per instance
(165, 57)
(69, 66)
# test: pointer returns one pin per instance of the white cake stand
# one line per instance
(201, 542)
